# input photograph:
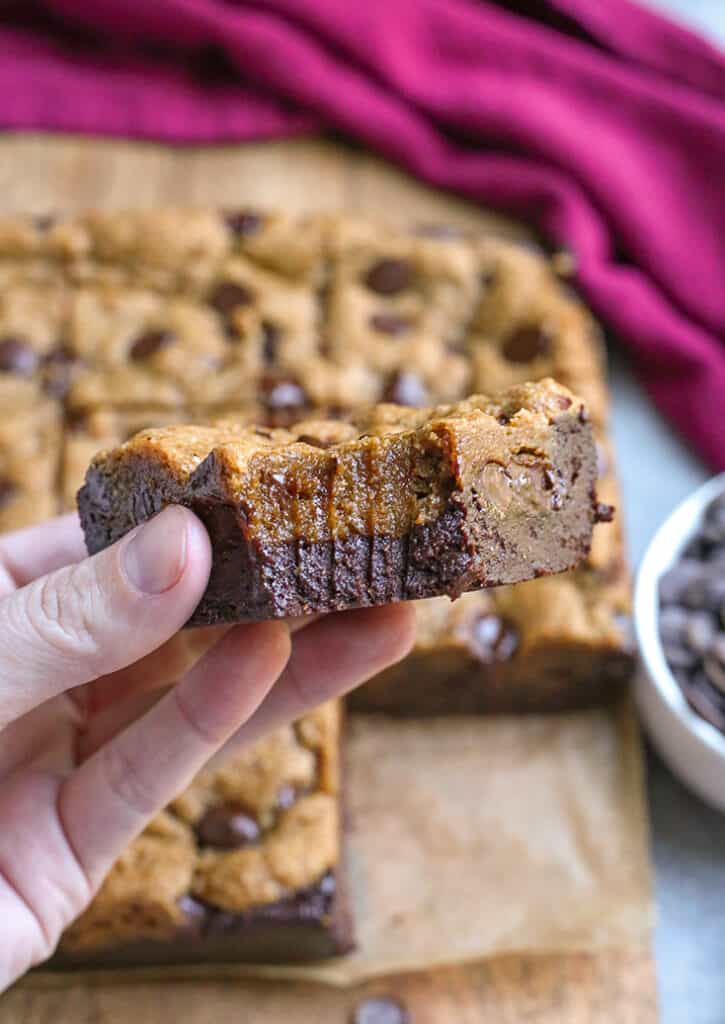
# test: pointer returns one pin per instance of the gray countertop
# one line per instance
(688, 838)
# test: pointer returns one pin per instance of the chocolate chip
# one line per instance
(705, 699)
(548, 479)
(715, 671)
(679, 656)
(7, 490)
(706, 590)
(406, 388)
(390, 323)
(59, 366)
(243, 223)
(487, 278)
(673, 622)
(714, 663)
(286, 796)
(700, 632)
(149, 343)
(493, 639)
(675, 580)
(228, 295)
(557, 502)
(270, 340)
(388, 277)
(527, 343)
(195, 914)
(44, 223)
(603, 513)
(713, 528)
(17, 356)
(283, 393)
(379, 1010)
(328, 884)
(227, 827)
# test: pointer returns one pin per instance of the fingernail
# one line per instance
(154, 557)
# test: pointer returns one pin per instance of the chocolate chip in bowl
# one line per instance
(680, 623)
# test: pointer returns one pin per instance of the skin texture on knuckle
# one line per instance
(66, 611)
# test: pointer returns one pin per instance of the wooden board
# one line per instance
(41, 174)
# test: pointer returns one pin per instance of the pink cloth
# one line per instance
(601, 123)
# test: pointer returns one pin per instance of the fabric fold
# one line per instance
(603, 125)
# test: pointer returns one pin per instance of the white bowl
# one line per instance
(694, 749)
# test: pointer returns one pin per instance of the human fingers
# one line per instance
(36, 550)
(98, 615)
(331, 657)
(114, 793)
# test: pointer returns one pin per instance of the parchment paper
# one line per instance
(474, 837)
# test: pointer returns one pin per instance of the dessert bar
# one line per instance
(245, 865)
(394, 504)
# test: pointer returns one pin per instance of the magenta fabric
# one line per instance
(600, 122)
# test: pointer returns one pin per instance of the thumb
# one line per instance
(99, 615)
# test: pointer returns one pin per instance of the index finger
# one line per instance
(37, 550)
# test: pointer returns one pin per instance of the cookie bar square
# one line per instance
(245, 865)
(30, 441)
(399, 304)
(392, 505)
(528, 325)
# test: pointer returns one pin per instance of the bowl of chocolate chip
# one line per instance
(679, 614)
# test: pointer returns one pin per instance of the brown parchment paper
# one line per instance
(471, 837)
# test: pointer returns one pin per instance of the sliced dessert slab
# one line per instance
(393, 504)
(245, 865)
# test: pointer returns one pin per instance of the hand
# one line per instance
(93, 740)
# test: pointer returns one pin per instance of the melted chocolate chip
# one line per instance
(270, 340)
(283, 393)
(487, 278)
(44, 223)
(379, 1010)
(227, 827)
(603, 513)
(7, 490)
(390, 323)
(149, 343)
(228, 295)
(406, 388)
(493, 639)
(243, 223)
(527, 343)
(195, 914)
(17, 356)
(59, 366)
(286, 796)
(388, 277)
